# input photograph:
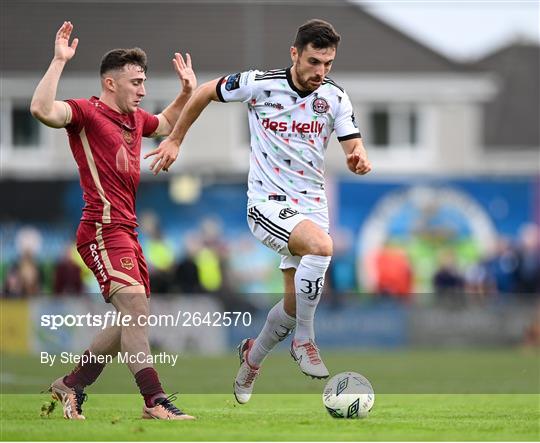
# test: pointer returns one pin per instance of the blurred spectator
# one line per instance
(185, 277)
(68, 274)
(528, 260)
(212, 235)
(160, 257)
(480, 282)
(448, 282)
(502, 266)
(211, 259)
(24, 278)
(159, 254)
(393, 273)
(209, 269)
(28, 240)
(447, 278)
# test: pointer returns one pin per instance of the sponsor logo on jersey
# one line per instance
(320, 106)
(233, 82)
(127, 263)
(274, 105)
(314, 127)
(99, 265)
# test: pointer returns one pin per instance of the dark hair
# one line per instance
(118, 58)
(319, 33)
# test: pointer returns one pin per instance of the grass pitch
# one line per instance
(282, 417)
(435, 395)
(477, 371)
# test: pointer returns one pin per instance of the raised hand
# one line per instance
(165, 155)
(185, 72)
(62, 49)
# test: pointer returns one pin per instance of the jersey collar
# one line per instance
(302, 94)
(125, 120)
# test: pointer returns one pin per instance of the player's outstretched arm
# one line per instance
(44, 107)
(167, 152)
(356, 155)
(169, 116)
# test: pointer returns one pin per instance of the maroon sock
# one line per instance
(148, 382)
(84, 374)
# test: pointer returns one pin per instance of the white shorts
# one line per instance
(272, 223)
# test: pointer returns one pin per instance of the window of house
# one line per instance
(393, 126)
(24, 127)
(380, 133)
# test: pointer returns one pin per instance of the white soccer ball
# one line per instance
(348, 395)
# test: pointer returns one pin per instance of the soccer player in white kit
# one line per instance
(292, 113)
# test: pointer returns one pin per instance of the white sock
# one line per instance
(277, 327)
(308, 283)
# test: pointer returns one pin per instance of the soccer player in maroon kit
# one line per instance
(105, 138)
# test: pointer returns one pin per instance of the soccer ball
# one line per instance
(348, 395)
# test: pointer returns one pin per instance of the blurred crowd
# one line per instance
(244, 275)
(511, 269)
(205, 261)
(241, 270)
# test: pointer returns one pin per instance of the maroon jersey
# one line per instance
(107, 148)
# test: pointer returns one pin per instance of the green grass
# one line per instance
(436, 395)
(499, 371)
(282, 417)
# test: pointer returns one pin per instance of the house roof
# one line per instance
(221, 36)
(511, 118)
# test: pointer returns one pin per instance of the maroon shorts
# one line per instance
(114, 255)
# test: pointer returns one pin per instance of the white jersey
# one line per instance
(290, 130)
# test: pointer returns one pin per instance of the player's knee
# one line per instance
(321, 245)
(139, 306)
(132, 303)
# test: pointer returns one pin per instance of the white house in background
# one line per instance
(418, 111)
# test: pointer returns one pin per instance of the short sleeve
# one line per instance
(79, 110)
(345, 123)
(150, 122)
(236, 87)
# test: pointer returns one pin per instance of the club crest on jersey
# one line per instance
(128, 136)
(127, 263)
(320, 105)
